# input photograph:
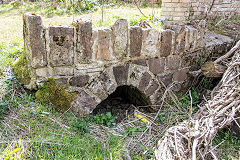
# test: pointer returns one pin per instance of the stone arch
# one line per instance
(136, 74)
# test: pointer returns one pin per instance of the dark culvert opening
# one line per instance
(122, 102)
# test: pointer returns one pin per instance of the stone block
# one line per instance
(84, 103)
(144, 82)
(180, 34)
(191, 38)
(169, 24)
(152, 88)
(79, 81)
(121, 74)
(180, 76)
(135, 75)
(165, 79)
(156, 65)
(95, 43)
(60, 46)
(141, 62)
(84, 40)
(167, 42)
(63, 71)
(97, 88)
(34, 40)
(62, 81)
(180, 39)
(136, 35)
(201, 28)
(120, 38)
(104, 44)
(107, 82)
(192, 60)
(173, 62)
(150, 43)
(42, 72)
(156, 98)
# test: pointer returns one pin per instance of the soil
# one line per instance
(119, 107)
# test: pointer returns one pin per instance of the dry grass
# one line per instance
(11, 21)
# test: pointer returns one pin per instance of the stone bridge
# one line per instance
(95, 62)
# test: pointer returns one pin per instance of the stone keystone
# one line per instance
(121, 74)
(120, 38)
(84, 40)
(34, 40)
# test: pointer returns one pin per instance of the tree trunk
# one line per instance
(211, 69)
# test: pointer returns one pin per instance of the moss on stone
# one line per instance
(52, 92)
(20, 68)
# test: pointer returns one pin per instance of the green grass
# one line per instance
(10, 51)
(42, 133)
(229, 144)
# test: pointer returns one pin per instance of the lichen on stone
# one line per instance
(20, 68)
(56, 94)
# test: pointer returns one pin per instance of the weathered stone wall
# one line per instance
(182, 10)
(94, 62)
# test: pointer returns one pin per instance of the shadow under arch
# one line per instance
(123, 101)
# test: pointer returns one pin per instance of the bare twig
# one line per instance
(139, 8)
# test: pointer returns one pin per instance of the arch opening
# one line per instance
(122, 102)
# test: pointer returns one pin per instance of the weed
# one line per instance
(162, 118)
(7, 86)
(132, 131)
(207, 83)
(102, 119)
(12, 151)
(81, 126)
(212, 21)
(185, 101)
(230, 144)
(3, 109)
(9, 52)
(180, 108)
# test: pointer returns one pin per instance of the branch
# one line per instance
(228, 54)
(139, 8)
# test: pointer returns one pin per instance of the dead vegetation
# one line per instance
(192, 138)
